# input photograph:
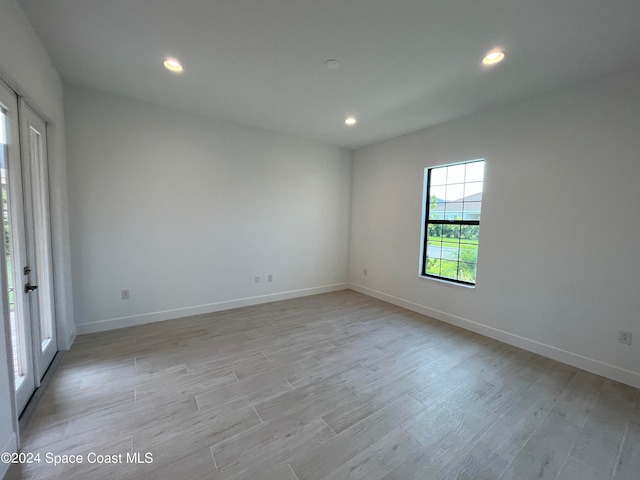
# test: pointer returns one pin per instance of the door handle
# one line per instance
(30, 288)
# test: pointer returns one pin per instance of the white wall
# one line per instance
(184, 212)
(25, 66)
(559, 258)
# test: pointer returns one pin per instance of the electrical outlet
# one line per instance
(624, 337)
(270, 277)
(256, 279)
(365, 271)
(124, 294)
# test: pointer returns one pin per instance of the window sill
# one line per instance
(448, 282)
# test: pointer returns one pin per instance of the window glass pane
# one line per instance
(449, 269)
(469, 253)
(436, 203)
(450, 232)
(469, 234)
(455, 174)
(473, 188)
(439, 192)
(451, 250)
(18, 334)
(438, 176)
(437, 213)
(435, 232)
(433, 266)
(436, 208)
(475, 172)
(467, 272)
(434, 249)
(472, 210)
(455, 192)
(453, 210)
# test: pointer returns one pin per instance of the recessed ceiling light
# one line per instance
(332, 64)
(350, 121)
(493, 57)
(172, 64)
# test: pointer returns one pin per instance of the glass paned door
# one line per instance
(39, 274)
(15, 248)
(27, 279)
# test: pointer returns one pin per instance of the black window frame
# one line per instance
(427, 222)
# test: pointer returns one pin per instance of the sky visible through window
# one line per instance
(457, 181)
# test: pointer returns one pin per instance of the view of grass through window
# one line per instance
(454, 194)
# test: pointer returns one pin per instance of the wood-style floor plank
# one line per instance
(545, 453)
(603, 433)
(334, 386)
(628, 466)
(576, 470)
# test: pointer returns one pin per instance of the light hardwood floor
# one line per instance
(334, 386)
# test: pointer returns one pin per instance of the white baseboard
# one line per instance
(11, 446)
(592, 365)
(121, 322)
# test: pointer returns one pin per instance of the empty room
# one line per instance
(313, 240)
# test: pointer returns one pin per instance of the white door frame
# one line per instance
(35, 181)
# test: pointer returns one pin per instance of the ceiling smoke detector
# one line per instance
(332, 64)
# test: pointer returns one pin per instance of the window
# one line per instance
(452, 221)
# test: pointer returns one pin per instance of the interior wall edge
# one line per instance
(72, 338)
(133, 320)
(589, 364)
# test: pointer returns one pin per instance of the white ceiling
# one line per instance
(406, 64)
